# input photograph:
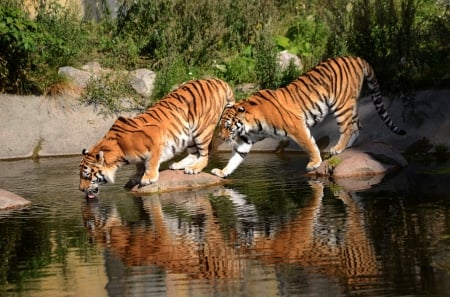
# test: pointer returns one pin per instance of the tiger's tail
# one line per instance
(372, 82)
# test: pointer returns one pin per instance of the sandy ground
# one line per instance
(57, 126)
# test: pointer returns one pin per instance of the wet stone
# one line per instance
(368, 159)
(9, 200)
(177, 180)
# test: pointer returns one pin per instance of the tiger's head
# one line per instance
(94, 172)
(232, 123)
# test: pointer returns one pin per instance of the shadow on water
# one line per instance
(270, 232)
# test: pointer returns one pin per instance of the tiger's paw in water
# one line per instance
(313, 166)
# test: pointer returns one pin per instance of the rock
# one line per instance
(368, 159)
(177, 180)
(285, 58)
(142, 81)
(78, 77)
(93, 67)
(247, 88)
(9, 200)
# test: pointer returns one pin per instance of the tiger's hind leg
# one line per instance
(302, 135)
(189, 160)
(198, 156)
(348, 128)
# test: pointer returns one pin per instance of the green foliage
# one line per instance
(395, 36)
(238, 69)
(110, 91)
(405, 40)
(267, 69)
(173, 73)
(306, 38)
(19, 40)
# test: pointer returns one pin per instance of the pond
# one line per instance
(269, 232)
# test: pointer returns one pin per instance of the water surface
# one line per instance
(270, 232)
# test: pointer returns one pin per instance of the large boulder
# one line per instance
(177, 180)
(9, 200)
(366, 160)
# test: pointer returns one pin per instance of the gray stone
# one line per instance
(177, 180)
(9, 200)
(142, 81)
(78, 77)
(285, 58)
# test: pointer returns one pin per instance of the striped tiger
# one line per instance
(184, 119)
(332, 86)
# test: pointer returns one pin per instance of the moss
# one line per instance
(334, 161)
(37, 149)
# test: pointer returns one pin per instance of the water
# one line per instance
(270, 232)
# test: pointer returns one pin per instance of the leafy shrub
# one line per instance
(173, 73)
(307, 38)
(20, 38)
(238, 69)
(109, 93)
(405, 40)
(267, 69)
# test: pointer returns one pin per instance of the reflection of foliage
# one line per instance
(442, 259)
(24, 251)
(225, 214)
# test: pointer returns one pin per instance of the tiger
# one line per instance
(333, 86)
(184, 119)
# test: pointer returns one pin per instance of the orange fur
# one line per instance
(333, 86)
(183, 119)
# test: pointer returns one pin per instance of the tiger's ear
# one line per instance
(100, 157)
(84, 152)
(241, 109)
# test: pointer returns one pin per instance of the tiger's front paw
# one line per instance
(336, 150)
(192, 170)
(218, 172)
(313, 165)
(146, 180)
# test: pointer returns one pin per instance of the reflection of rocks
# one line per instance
(176, 180)
(366, 160)
(10, 200)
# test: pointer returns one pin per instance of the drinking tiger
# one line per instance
(184, 119)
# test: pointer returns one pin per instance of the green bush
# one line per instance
(20, 40)
(406, 41)
(109, 92)
(267, 69)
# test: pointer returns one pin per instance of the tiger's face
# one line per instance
(232, 122)
(92, 173)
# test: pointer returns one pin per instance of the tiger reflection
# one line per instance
(309, 243)
(194, 245)
(192, 242)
